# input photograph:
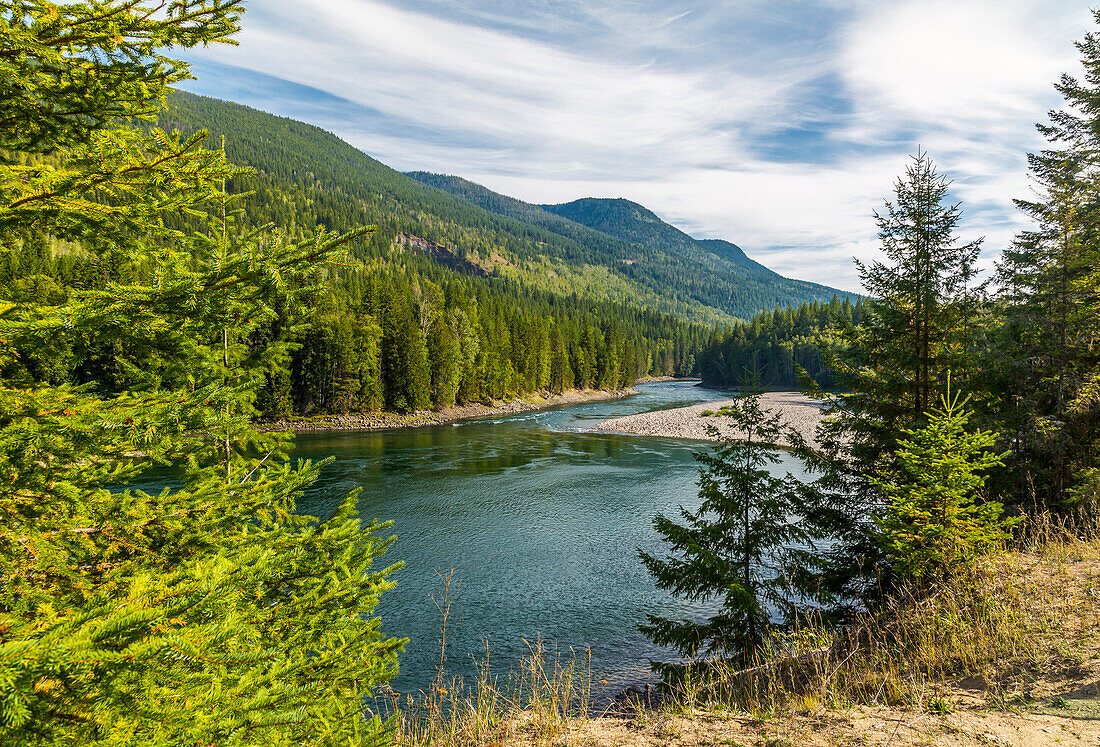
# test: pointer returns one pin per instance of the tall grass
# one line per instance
(994, 625)
(539, 698)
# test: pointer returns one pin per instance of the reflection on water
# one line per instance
(541, 521)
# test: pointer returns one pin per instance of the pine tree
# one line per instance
(936, 521)
(733, 546)
(208, 611)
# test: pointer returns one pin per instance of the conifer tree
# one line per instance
(915, 327)
(936, 521)
(1047, 363)
(206, 611)
(732, 548)
(915, 322)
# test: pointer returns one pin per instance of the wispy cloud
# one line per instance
(777, 125)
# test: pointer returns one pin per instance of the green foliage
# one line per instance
(732, 548)
(935, 522)
(777, 348)
(208, 612)
(1043, 365)
(917, 325)
(68, 70)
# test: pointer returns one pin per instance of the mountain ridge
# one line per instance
(631, 221)
(305, 176)
(605, 216)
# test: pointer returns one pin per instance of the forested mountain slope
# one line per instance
(637, 224)
(411, 324)
(634, 242)
(308, 177)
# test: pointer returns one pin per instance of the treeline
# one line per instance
(777, 347)
(395, 336)
(391, 340)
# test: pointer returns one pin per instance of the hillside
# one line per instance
(633, 241)
(635, 223)
(307, 177)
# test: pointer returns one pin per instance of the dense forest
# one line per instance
(400, 336)
(778, 348)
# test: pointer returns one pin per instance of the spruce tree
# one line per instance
(205, 611)
(936, 521)
(1046, 367)
(916, 318)
(733, 547)
(891, 366)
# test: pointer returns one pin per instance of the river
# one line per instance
(540, 521)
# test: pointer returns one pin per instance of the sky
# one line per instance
(780, 125)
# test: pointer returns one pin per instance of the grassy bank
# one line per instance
(1007, 653)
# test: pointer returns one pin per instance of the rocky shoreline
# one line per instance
(662, 379)
(387, 420)
(690, 423)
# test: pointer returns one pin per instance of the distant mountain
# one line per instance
(634, 223)
(718, 266)
(637, 224)
(306, 177)
(730, 251)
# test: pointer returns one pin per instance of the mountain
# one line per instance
(305, 177)
(717, 273)
(733, 253)
(637, 224)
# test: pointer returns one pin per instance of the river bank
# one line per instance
(799, 411)
(385, 420)
(1005, 654)
(664, 379)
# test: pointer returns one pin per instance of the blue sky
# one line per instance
(777, 125)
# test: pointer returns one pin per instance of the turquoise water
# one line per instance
(541, 522)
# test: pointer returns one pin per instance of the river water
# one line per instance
(540, 521)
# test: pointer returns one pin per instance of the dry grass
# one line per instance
(1010, 632)
(534, 704)
(1007, 653)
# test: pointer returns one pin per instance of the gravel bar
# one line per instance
(799, 411)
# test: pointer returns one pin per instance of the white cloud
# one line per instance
(940, 60)
(549, 121)
(521, 93)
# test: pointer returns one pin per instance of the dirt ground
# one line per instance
(858, 726)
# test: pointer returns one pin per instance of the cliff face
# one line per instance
(441, 254)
